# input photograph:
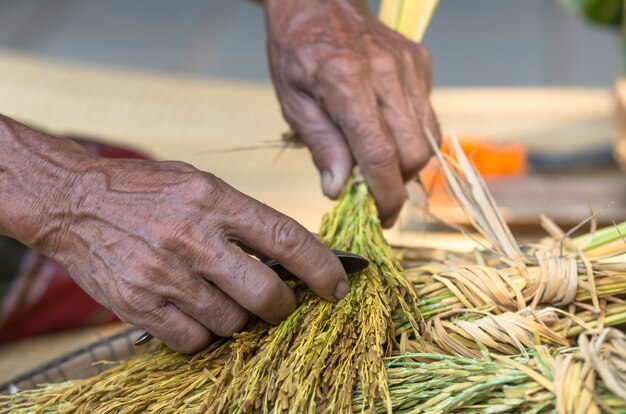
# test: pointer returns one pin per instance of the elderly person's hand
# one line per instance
(353, 90)
(159, 243)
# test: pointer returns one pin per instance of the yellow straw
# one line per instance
(408, 17)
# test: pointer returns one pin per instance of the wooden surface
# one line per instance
(196, 120)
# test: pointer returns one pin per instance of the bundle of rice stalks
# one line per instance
(431, 335)
(507, 297)
(311, 362)
(429, 339)
(565, 380)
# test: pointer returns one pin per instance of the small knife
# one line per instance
(352, 263)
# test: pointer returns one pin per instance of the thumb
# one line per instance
(333, 160)
(328, 147)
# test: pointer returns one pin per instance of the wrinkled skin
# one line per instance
(354, 91)
(159, 243)
(162, 244)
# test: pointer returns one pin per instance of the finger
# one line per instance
(350, 100)
(418, 92)
(328, 147)
(177, 330)
(211, 307)
(251, 284)
(282, 238)
(400, 116)
(423, 59)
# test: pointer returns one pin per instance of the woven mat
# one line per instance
(195, 119)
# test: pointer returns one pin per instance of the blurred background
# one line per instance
(474, 43)
(528, 85)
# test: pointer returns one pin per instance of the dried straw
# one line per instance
(508, 298)
(313, 361)
(496, 331)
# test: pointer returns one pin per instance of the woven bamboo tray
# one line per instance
(81, 363)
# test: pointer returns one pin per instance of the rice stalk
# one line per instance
(311, 362)
(546, 380)
(508, 298)
(375, 351)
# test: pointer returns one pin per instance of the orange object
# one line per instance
(492, 160)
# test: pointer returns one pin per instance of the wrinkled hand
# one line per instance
(159, 244)
(353, 90)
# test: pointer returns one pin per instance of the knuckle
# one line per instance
(265, 298)
(295, 64)
(293, 72)
(287, 236)
(127, 302)
(178, 166)
(417, 59)
(425, 61)
(205, 188)
(131, 295)
(329, 273)
(298, 68)
(295, 113)
(416, 157)
(210, 260)
(182, 337)
(385, 63)
(231, 323)
(381, 154)
(174, 237)
(425, 55)
(289, 111)
(408, 54)
(323, 151)
(343, 67)
(131, 311)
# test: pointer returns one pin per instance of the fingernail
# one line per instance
(341, 290)
(327, 183)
